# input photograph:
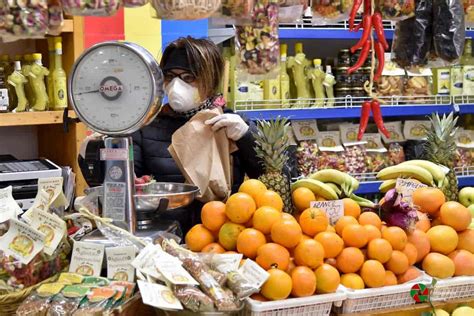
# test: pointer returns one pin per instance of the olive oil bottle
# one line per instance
(59, 79)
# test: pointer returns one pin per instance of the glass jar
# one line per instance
(343, 79)
(342, 92)
(358, 92)
(366, 73)
(358, 79)
(344, 58)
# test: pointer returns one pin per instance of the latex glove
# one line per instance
(235, 126)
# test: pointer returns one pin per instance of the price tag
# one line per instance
(333, 209)
(406, 187)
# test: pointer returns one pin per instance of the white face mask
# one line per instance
(182, 96)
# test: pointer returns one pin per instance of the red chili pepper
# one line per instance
(363, 56)
(367, 7)
(357, 27)
(355, 8)
(364, 119)
(380, 52)
(377, 113)
(367, 25)
(378, 26)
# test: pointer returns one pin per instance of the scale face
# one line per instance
(116, 88)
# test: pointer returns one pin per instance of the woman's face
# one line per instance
(184, 75)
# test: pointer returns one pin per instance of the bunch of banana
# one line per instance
(424, 171)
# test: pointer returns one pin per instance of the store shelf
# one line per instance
(33, 118)
(68, 26)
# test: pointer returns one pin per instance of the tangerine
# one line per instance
(264, 218)
(466, 240)
(428, 199)
(228, 235)
(373, 273)
(370, 218)
(379, 249)
(443, 239)
(438, 265)
(286, 216)
(331, 242)
(390, 278)
(411, 274)
(411, 253)
(313, 221)
(420, 240)
(423, 223)
(463, 262)
(253, 187)
(270, 198)
(343, 222)
(396, 237)
(327, 279)
(278, 285)
(350, 260)
(213, 215)
(304, 282)
(213, 248)
(355, 235)
(273, 255)
(351, 208)
(372, 232)
(352, 281)
(286, 233)
(398, 262)
(198, 237)
(309, 253)
(302, 198)
(249, 241)
(456, 215)
(240, 208)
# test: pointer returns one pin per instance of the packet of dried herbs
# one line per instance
(37, 304)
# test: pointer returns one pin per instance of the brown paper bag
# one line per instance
(204, 156)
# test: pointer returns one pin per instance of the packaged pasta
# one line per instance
(331, 152)
(397, 10)
(25, 19)
(330, 11)
(91, 7)
(391, 82)
(377, 155)
(396, 153)
(354, 151)
(184, 10)
(418, 85)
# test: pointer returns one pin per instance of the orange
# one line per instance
(379, 249)
(286, 216)
(331, 262)
(352, 281)
(302, 198)
(270, 198)
(443, 239)
(350, 260)
(372, 232)
(463, 262)
(253, 187)
(428, 199)
(240, 208)
(249, 241)
(264, 218)
(351, 208)
(373, 273)
(370, 218)
(313, 221)
(230, 252)
(396, 237)
(438, 265)
(272, 255)
(411, 253)
(278, 285)
(327, 279)
(291, 266)
(213, 215)
(423, 222)
(304, 282)
(411, 274)
(466, 240)
(390, 278)
(198, 237)
(456, 215)
(355, 235)
(343, 222)
(420, 240)
(286, 233)
(259, 297)
(331, 229)
(398, 262)
(309, 253)
(228, 235)
(213, 248)
(331, 242)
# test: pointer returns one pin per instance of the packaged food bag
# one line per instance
(233, 12)
(184, 10)
(465, 148)
(396, 10)
(25, 19)
(448, 29)
(56, 17)
(396, 153)
(330, 11)
(291, 11)
(91, 7)
(377, 155)
(418, 85)
(391, 82)
(469, 13)
(134, 3)
(331, 152)
(354, 151)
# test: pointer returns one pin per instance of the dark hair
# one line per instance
(204, 57)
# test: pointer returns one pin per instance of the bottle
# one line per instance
(4, 100)
(298, 65)
(26, 72)
(18, 81)
(8, 70)
(36, 75)
(317, 76)
(51, 55)
(298, 48)
(329, 82)
(59, 79)
(284, 77)
(467, 63)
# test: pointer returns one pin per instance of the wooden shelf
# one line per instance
(33, 118)
(68, 26)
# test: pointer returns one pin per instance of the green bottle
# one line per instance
(284, 77)
(18, 81)
(59, 79)
(317, 76)
(8, 69)
(51, 55)
(329, 82)
(27, 59)
(36, 76)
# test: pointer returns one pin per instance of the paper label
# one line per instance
(172, 270)
(50, 289)
(348, 133)
(416, 130)
(100, 294)
(420, 72)
(330, 141)
(54, 188)
(8, 206)
(255, 274)
(468, 80)
(51, 225)
(390, 68)
(70, 278)
(464, 138)
(114, 203)
(406, 187)
(333, 209)
(305, 129)
(456, 80)
(42, 202)
(119, 263)
(374, 143)
(144, 262)
(226, 263)
(129, 287)
(87, 258)
(396, 132)
(159, 296)
(114, 154)
(75, 291)
(3, 99)
(22, 241)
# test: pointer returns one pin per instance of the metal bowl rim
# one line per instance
(194, 191)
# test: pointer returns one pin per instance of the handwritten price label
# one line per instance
(333, 209)
(406, 187)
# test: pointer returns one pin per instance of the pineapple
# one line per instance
(441, 148)
(272, 144)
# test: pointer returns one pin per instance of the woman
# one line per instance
(192, 70)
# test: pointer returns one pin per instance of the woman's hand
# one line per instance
(235, 127)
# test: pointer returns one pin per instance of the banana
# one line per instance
(318, 188)
(406, 171)
(335, 176)
(436, 171)
(355, 184)
(335, 187)
(387, 185)
(362, 202)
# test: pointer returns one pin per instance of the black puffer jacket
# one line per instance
(151, 157)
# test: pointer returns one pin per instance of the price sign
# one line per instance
(406, 187)
(333, 209)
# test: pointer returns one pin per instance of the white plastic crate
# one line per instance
(453, 288)
(368, 300)
(316, 305)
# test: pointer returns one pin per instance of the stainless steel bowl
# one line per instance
(177, 194)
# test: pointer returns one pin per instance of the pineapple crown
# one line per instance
(272, 142)
(441, 146)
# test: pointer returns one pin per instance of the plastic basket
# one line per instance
(316, 305)
(453, 288)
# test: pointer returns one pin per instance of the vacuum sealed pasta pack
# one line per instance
(330, 11)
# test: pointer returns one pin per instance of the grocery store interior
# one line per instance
(244, 157)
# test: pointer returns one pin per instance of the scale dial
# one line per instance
(116, 88)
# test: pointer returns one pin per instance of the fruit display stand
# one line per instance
(453, 288)
(313, 305)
